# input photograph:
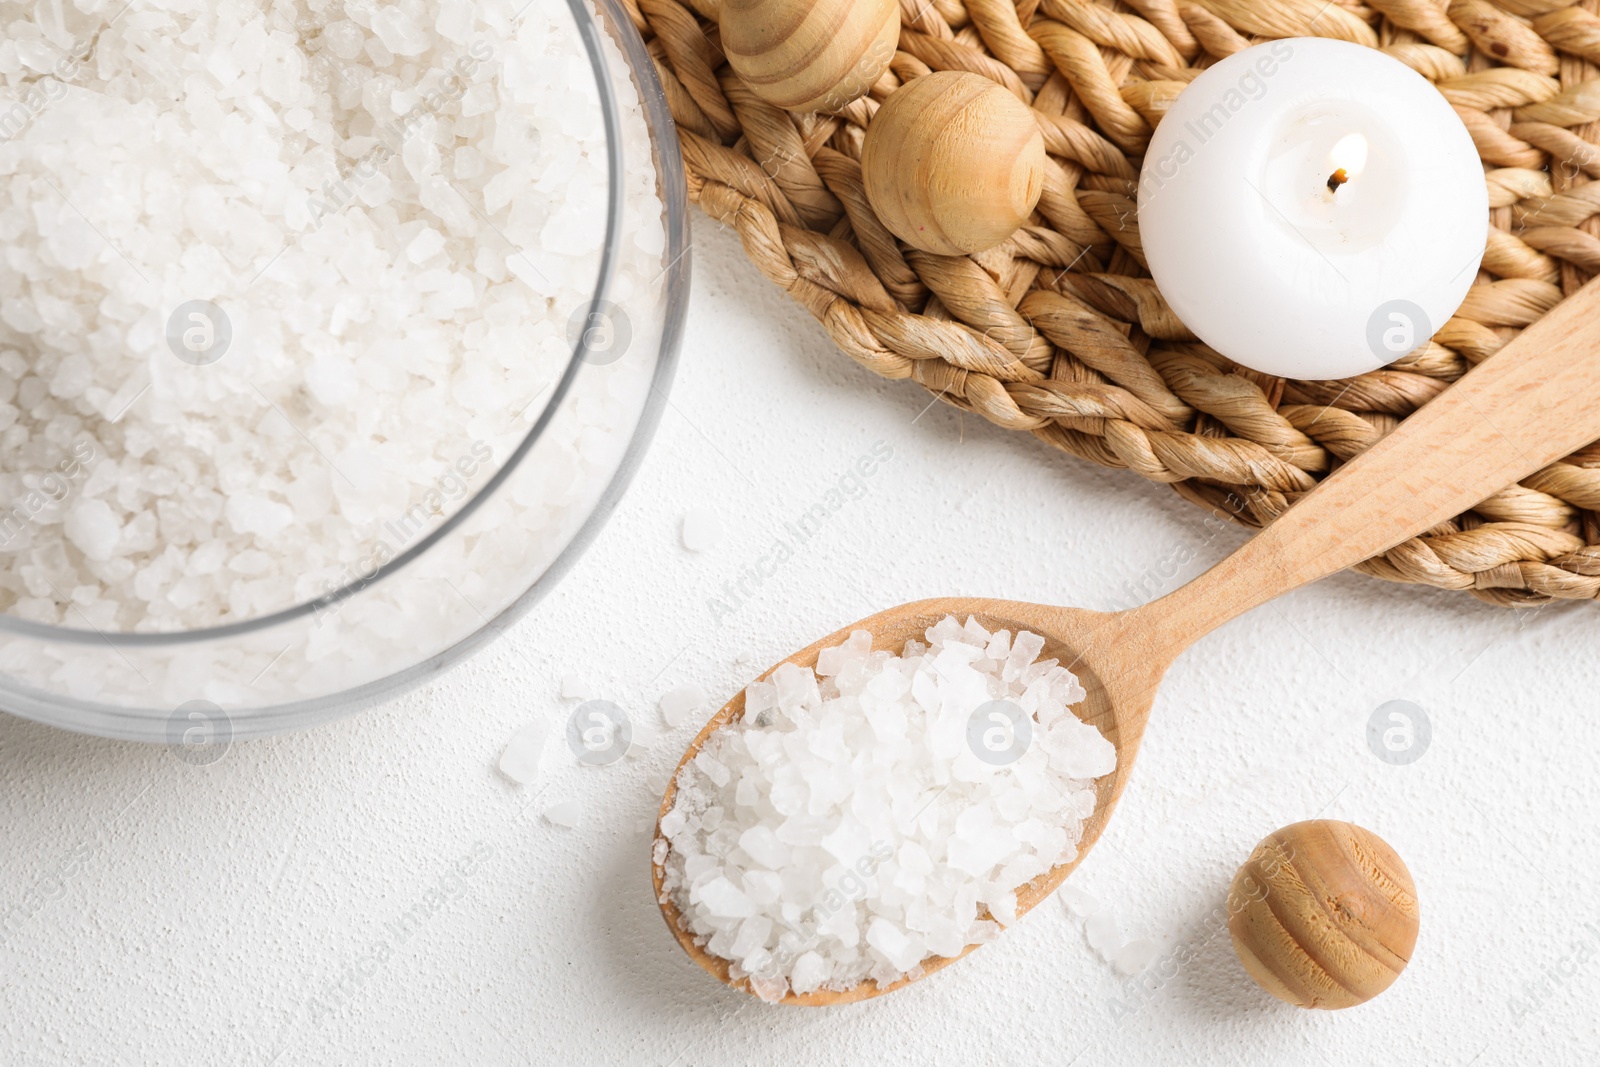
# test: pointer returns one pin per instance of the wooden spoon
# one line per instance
(1534, 402)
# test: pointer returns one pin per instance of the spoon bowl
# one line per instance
(1518, 411)
(1117, 703)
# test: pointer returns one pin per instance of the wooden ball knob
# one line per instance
(1323, 914)
(953, 163)
(809, 55)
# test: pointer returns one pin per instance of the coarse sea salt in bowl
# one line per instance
(330, 332)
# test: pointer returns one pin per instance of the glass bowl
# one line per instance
(450, 556)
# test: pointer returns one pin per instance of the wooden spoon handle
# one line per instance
(1534, 402)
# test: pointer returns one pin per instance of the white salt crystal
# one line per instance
(832, 661)
(1024, 650)
(701, 530)
(900, 951)
(251, 513)
(1077, 901)
(426, 245)
(797, 687)
(818, 811)
(763, 887)
(769, 989)
(712, 768)
(1089, 756)
(519, 761)
(1103, 934)
(751, 939)
(345, 38)
(984, 932)
(1135, 956)
(723, 900)
(399, 32)
(92, 527)
(1083, 803)
(565, 814)
(681, 704)
(759, 697)
(809, 972)
(945, 631)
(764, 847)
(575, 687)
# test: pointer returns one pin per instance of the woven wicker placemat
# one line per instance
(1061, 333)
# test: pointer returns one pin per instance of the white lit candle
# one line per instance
(1312, 208)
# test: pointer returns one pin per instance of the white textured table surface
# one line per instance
(374, 892)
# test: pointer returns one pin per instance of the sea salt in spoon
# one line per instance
(1531, 404)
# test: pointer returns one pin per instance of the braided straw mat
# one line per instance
(1060, 332)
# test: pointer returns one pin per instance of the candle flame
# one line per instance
(1350, 154)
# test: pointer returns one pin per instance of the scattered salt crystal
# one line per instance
(1077, 901)
(1135, 956)
(565, 814)
(679, 705)
(701, 529)
(817, 812)
(519, 761)
(1103, 934)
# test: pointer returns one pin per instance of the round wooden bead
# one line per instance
(809, 55)
(953, 163)
(1323, 914)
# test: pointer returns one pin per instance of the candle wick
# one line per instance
(1336, 179)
